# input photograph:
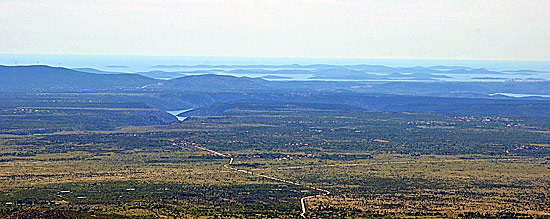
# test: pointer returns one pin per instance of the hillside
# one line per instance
(40, 78)
(211, 82)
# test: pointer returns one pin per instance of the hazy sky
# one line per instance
(412, 29)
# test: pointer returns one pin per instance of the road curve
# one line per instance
(323, 192)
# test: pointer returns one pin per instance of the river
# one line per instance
(177, 112)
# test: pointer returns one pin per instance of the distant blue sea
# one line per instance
(144, 63)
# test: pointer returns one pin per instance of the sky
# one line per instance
(389, 29)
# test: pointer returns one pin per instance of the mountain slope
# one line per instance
(211, 82)
(45, 78)
(95, 71)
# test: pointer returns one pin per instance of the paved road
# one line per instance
(323, 192)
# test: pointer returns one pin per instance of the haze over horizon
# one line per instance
(455, 30)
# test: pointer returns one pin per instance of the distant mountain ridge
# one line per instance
(211, 82)
(41, 77)
(330, 72)
(46, 78)
(96, 71)
(150, 74)
(56, 79)
(360, 67)
(346, 72)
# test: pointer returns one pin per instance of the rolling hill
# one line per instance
(42, 78)
(211, 82)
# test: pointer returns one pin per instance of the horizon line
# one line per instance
(281, 57)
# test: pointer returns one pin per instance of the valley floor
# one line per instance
(252, 163)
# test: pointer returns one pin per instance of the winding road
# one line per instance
(323, 192)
